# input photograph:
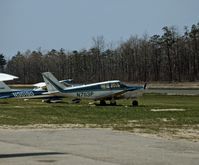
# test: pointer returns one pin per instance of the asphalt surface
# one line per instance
(88, 146)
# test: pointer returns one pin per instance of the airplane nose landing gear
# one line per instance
(134, 103)
(102, 102)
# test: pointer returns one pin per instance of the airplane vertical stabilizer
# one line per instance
(52, 83)
(4, 87)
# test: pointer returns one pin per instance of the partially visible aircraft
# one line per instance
(7, 92)
(36, 93)
(6, 77)
(42, 85)
(102, 91)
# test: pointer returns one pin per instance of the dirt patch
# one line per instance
(49, 126)
(185, 132)
(18, 106)
(170, 109)
(182, 133)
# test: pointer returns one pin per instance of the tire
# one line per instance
(102, 102)
(76, 101)
(134, 103)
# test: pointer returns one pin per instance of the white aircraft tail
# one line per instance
(4, 87)
(52, 83)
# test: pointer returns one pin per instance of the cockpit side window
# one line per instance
(105, 86)
(115, 85)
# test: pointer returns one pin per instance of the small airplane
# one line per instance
(102, 91)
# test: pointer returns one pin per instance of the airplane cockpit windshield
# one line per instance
(111, 85)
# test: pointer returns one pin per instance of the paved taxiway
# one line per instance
(87, 146)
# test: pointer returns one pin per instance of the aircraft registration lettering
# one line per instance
(85, 94)
(23, 94)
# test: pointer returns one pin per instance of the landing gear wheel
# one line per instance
(102, 102)
(134, 103)
(76, 101)
(46, 100)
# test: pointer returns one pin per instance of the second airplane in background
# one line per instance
(102, 91)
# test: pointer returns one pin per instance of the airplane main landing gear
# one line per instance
(102, 102)
(52, 100)
(76, 101)
(134, 103)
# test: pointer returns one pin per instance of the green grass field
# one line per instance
(123, 117)
(183, 124)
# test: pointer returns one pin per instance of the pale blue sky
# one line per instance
(71, 24)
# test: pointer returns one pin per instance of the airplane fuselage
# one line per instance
(106, 90)
(21, 93)
(89, 94)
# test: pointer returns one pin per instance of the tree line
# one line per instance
(167, 57)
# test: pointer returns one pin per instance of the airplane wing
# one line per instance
(51, 93)
(6, 77)
(40, 84)
(109, 96)
(43, 97)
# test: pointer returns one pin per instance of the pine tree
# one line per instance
(2, 62)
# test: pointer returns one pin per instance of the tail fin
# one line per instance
(52, 83)
(4, 87)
